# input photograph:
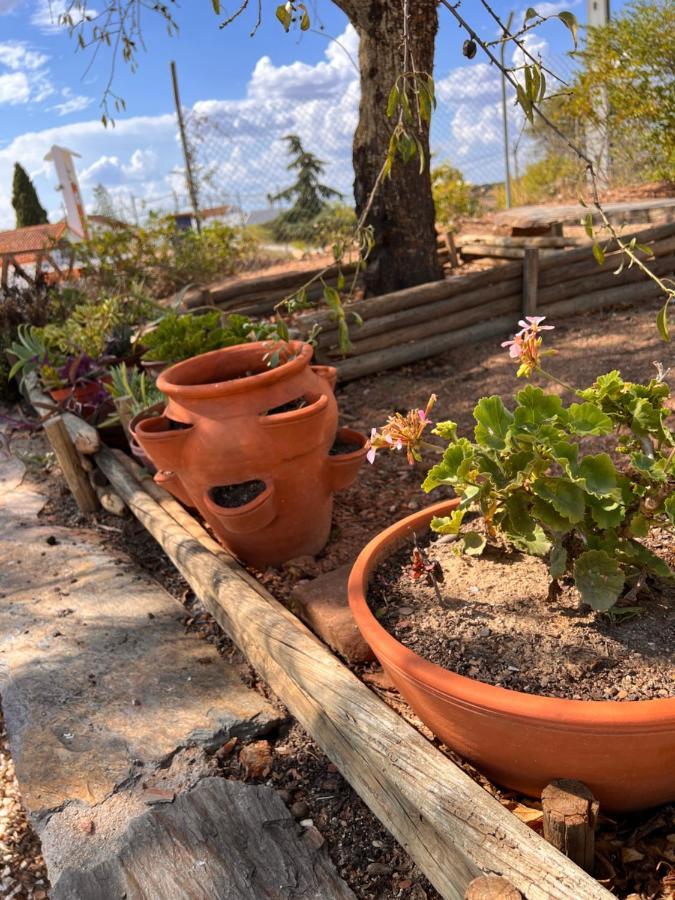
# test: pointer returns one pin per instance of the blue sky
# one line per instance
(245, 93)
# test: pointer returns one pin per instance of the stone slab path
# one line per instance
(111, 711)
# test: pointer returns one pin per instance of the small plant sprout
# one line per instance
(537, 486)
(424, 569)
(403, 432)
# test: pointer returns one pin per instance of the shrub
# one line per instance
(178, 337)
(453, 196)
(535, 489)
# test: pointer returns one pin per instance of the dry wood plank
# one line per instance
(431, 325)
(589, 266)
(622, 295)
(84, 436)
(653, 236)
(457, 305)
(600, 277)
(530, 280)
(69, 462)
(392, 357)
(222, 839)
(409, 298)
(570, 817)
(476, 251)
(507, 241)
(492, 887)
(284, 281)
(446, 822)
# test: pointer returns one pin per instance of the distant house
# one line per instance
(186, 220)
(30, 250)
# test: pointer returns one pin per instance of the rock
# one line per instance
(300, 809)
(305, 566)
(376, 868)
(313, 838)
(322, 604)
(256, 759)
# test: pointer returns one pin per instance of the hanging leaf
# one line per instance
(530, 14)
(216, 6)
(284, 16)
(304, 21)
(599, 254)
(569, 20)
(599, 579)
(392, 102)
(662, 322)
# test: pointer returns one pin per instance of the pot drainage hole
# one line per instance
(342, 447)
(230, 496)
(298, 403)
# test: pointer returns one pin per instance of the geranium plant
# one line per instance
(538, 490)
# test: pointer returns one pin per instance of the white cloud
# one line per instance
(6, 6)
(18, 55)
(47, 15)
(14, 88)
(26, 78)
(71, 103)
(468, 83)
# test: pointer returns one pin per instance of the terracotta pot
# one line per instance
(623, 751)
(228, 438)
(82, 394)
(134, 446)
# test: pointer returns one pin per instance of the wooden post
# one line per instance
(451, 827)
(492, 887)
(530, 280)
(123, 407)
(570, 816)
(69, 461)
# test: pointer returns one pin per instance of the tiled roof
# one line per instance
(32, 239)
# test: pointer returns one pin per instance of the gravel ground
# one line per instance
(23, 875)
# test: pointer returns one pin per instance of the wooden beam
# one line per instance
(68, 460)
(530, 280)
(448, 824)
(570, 817)
(85, 437)
(492, 887)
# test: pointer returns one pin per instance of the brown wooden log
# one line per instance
(492, 887)
(85, 437)
(284, 281)
(659, 239)
(392, 357)
(600, 277)
(408, 298)
(622, 295)
(530, 280)
(496, 240)
(472, 300)
(478, 251)
(570, 817)
(69, 463)
(448, 824)
(124, 411)
(431, 325)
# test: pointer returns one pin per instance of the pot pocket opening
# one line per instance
(242, 507)
(232, 496)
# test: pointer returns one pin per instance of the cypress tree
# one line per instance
(27, 206)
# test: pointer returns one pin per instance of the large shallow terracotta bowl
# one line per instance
(623, 751)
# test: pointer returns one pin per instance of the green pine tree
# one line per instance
(309, 196)
(27, 206)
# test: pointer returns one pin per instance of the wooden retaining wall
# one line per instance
(416, 323)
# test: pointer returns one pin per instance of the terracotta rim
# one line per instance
(169, 381)
(349, 434)
(291, 416)
(596, 715)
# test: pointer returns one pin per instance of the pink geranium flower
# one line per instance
(402, 432)
(526, 344)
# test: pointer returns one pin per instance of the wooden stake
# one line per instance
(68, 459)
(492, 887)
(447, 823)
(570, 816)
(530, 280)
(85, 437)
(123, 407)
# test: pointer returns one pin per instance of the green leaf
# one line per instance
(537, 545)
(517, 506)
(587, 222)
(569, 20)
(566, 497)
(638, 554)
(474, 543)
(470, 493)
(546, 513)
(216, 6)
(530, 13)
(284, 16)
(586, 418)
(639, 525)
(448, 524)
(599, 579)
(599, 254)
(662, 322)
(453, 467)
(392, 102)
(535, 407)
(669, 507)
(606, 512)
(304, 21)
(557, 564)
(599, 474)
(493, 420)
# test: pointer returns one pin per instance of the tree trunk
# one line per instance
(402, 212)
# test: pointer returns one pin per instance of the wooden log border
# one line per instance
(453, 829)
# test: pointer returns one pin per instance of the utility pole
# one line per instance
(505, 119)
(597, 136)
(187, 157)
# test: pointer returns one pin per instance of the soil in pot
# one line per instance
(297, 403)
(497, 625)
(342, 447)
(230, 496)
